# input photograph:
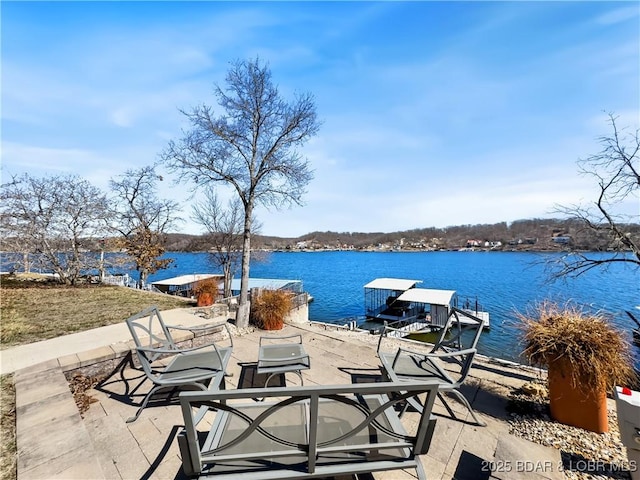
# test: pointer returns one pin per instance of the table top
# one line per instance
(283, 357)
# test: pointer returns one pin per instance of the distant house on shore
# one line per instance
(493, 244)
(562, 239)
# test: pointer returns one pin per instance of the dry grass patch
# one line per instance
(599, 355)
(270, 307)
(34, 311)
(8, 428)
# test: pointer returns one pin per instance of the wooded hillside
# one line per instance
(535, 234)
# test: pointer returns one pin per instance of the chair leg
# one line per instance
(420, 473)
(446, 405)
(185, 454)
(466, 403)
(144, 403)
(404, 409)
(160, 387)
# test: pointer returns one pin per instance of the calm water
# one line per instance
(503, 282)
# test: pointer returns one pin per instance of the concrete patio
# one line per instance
(54, 441)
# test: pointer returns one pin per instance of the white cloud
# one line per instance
(618, 15)
(17, 157)
(122, 117)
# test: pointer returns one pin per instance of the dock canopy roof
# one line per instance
(392, 284)
(269, 284)
(185, 279)
(430, 296)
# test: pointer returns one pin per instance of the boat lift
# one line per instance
(400, 304)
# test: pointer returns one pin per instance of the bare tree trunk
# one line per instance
(242, 317)
(143, 278)
(101, 269)
(228, 278)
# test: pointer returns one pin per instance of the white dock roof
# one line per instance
(427, 295)
(268, 283)
(185, 279)
(392, 284)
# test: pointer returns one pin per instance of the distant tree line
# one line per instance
(520, 235)
(598, 227)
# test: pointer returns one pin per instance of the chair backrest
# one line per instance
(149, 330)
(454, 336)
(462, 331)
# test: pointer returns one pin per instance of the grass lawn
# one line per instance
(8, 428)
(38, 310)
(34, 311)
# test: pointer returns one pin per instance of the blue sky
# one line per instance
(434, 114)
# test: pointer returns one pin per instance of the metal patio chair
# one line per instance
(448, 362)
(202, 367)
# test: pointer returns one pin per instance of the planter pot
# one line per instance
(572, 406)
(205, 299)
(272, 326)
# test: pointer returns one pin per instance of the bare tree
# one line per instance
(223, 233)
(616, 169)
(16, 241)
(57, 218)
(251, 147)
(142, 220)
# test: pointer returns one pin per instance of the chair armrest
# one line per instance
(457, 353)
(386, 330)
(173, 351)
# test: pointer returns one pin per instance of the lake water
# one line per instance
(503, 282)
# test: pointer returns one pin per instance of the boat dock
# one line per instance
(401, 302)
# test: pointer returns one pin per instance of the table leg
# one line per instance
(297, 372)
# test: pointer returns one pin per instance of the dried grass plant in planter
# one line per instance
(270, 307)
(585, 357)
(206, 292)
